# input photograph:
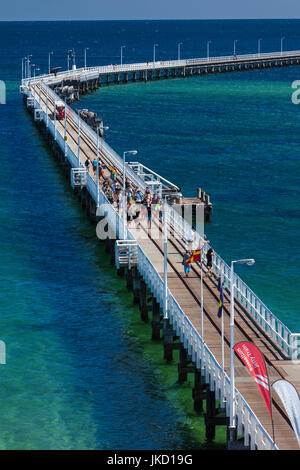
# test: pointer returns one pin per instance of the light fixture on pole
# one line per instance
(202, 309)
(154, 48)
(47, 112)
(69, 54)
(54, 111)
(86, 49)
(234, 47)
(78, 149)
(98, 154)
(207, 48)
(65, 131)
(259, 41)
(40, 91)
(178, 49)
(122, 54)
(28, 66)
(232, 423)
(281, 45)
(23, 68)
(33, 66)
(49, 67)
(165, 298)
(74, 62)
(132, 152)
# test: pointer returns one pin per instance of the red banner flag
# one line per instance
(255, 363)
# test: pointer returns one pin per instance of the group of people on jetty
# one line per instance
(144, 206)
(139, 205)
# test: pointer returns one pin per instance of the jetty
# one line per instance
(183, 311)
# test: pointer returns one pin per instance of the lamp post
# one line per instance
(78, 149)
(33, 66)
(74, 62)
(98, 154)
(47, 107)
(122, 47)
(178, 49)
(234, 46)
(36, 69)
(165, 304)
(202, 309)
(23, 67)
(69, 53)
(232, 424)
(54, 111)
(49, 66)
(154, 47)
(65, 131)
(132, 152)
(281, 45)
(207, 48)
(259, 41)
(86, 49)
(28, 66)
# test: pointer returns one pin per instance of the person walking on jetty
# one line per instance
(186, 262)
(209, 261)
(95, 164)
(149, 214)
(87, 164)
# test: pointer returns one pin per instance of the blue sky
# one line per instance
(147, 9)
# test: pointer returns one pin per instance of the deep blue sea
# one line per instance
(82, 372)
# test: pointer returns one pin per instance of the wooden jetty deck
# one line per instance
(76, 144)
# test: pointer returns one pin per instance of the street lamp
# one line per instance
(23, 71)
(28, 66)
(86, 49)
(33, 66)
(132, 152)
(49, 67)
(281, 44)
(232, 425)
(122, 54)
(74, 63)
(207, 48)
(259, 41)
(78, 142)
(234, 46)
(98, 153)
(154, 47)
(178, 48)
(69, 53)
(165, 304)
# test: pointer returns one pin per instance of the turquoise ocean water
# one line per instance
(81, 370)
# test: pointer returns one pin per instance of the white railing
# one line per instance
(151, 176)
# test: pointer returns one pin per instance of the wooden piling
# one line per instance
(156, 320)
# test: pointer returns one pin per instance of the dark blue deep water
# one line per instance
(81, 371)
